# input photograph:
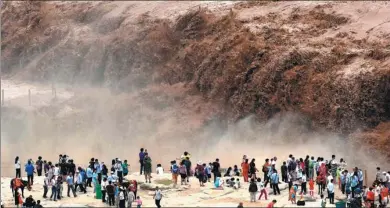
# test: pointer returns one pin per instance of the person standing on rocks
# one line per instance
(119, 170)
(245, 170)
(216, 169)
(141, 160)
(157, 197)
(147, 167)
(125, 167)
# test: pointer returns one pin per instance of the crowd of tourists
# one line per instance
(298, 173)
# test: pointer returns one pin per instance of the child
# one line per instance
(208, 172)
(253, 190)
(293, 194)
(236, 171)
(261, 188)
(183, 173)
(311, 187)
(139, 202)
(159, 170)
(237, 185)
(232, 182)
(323, 201)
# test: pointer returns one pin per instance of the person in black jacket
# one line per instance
(253, 190)
(307, 161)
(30, 202)
(284, 172)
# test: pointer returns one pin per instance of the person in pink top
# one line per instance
(271, 204)
(139, 202)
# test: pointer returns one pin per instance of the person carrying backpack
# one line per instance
(175, 172)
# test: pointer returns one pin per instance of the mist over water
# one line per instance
(100, 124)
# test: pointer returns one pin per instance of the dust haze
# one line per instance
(97, 122)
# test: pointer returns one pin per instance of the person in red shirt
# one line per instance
(245, 170)
(271, 204)
(311, 187)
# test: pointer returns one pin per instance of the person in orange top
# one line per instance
(311, 187)
(384, 196)
(245, 170)
(370, 195)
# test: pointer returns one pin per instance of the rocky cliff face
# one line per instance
(327, 61)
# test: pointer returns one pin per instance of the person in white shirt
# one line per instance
(329, 178)
(122, 198)
(303, 184)
(159, 170)
(103, 188)
(131, 198)
(330, 188)
(46, 184)
(273, 162)
(119, 170)
(157, 197)
(56, 171)
(17, 168)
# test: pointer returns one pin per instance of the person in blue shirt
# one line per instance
(79, 182)
(275, 182)
(89, 176)
(70, 182)
(94, 180)
(30, 172)
(141, 160)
